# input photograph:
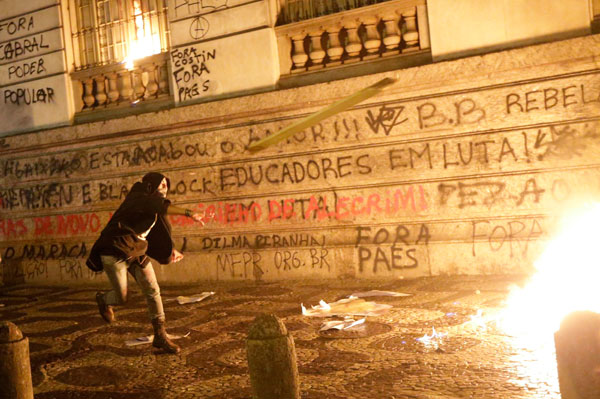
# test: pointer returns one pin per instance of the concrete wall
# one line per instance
(461, 167)
(222, 48)
(465, 27)
(34, 86)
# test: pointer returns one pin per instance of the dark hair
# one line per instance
(153, 180)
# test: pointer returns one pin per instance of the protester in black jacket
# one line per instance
(138, 230)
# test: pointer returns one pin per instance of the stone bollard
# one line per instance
(272, 360)
(15, 371)
(578, 355)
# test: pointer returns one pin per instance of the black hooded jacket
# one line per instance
(142, 208)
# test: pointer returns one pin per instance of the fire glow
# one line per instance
(145, 43)
(566, 280)
(432, 341)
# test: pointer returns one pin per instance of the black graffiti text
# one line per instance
(549, 98)
(46, 251)
(515, 234)
(375, 252)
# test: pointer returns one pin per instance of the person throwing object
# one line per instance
(138, 230)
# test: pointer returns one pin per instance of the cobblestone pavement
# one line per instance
(74, 354)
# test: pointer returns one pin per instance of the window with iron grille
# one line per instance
(114, 31)
(299, 10)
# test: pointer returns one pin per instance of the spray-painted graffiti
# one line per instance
(21, 270)
(19, 48)
(67, 164)
(294, 172)
(10, 228)
(254, 265)
(72, 269)
(39, 196)
(51, 226)
(410, 199)
(490, 193)
(443, 161)
(515, 235)
(387, 118)
(191, 66)
(338, 129)
(262, 241)
(494, 151)
(45, 251)
(393, 248)
(551, 97)
(35, 269)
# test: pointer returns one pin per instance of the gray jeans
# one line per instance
(116, 271)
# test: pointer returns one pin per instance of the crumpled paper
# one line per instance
(346, 324)
(183, 300)
(149, 338)
(351, 306)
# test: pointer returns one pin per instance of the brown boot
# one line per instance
(161, 339)
(105, 310)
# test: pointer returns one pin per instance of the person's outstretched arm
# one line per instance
(198, 217)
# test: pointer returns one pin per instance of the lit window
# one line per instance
(114, 31)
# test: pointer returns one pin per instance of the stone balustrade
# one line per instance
(115, 85)
(381, 30)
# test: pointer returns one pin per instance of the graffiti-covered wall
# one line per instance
(34, 83)
(460, 167)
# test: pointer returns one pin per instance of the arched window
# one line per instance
(114, 31)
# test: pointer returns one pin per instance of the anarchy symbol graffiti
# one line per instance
(199, 28)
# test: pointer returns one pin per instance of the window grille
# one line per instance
(299, 10)
(114, 31)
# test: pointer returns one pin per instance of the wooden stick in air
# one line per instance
(318, 116)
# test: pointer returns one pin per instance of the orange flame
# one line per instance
(566, 279)
(145, 43)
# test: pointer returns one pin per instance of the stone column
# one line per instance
(138, 85)
(100, 89)
(15, 371)
(163, 79)
(299, 56)
(393, 35)
(88, 93)
(372, 39)
(411, 34)
(125, 89)
(335, 49)
(113, 91)
(152, 85)
(272, 360)
(354, 45)
(316, 54)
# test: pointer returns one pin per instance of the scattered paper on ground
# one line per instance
(149, 338)
(378, 293)
(346, 324)
(182, 300)
(346, 307)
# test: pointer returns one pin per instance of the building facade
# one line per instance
(463, 166)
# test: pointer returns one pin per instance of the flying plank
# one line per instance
(318, 116)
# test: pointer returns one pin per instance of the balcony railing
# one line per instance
(380, 30)
(113, 85)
